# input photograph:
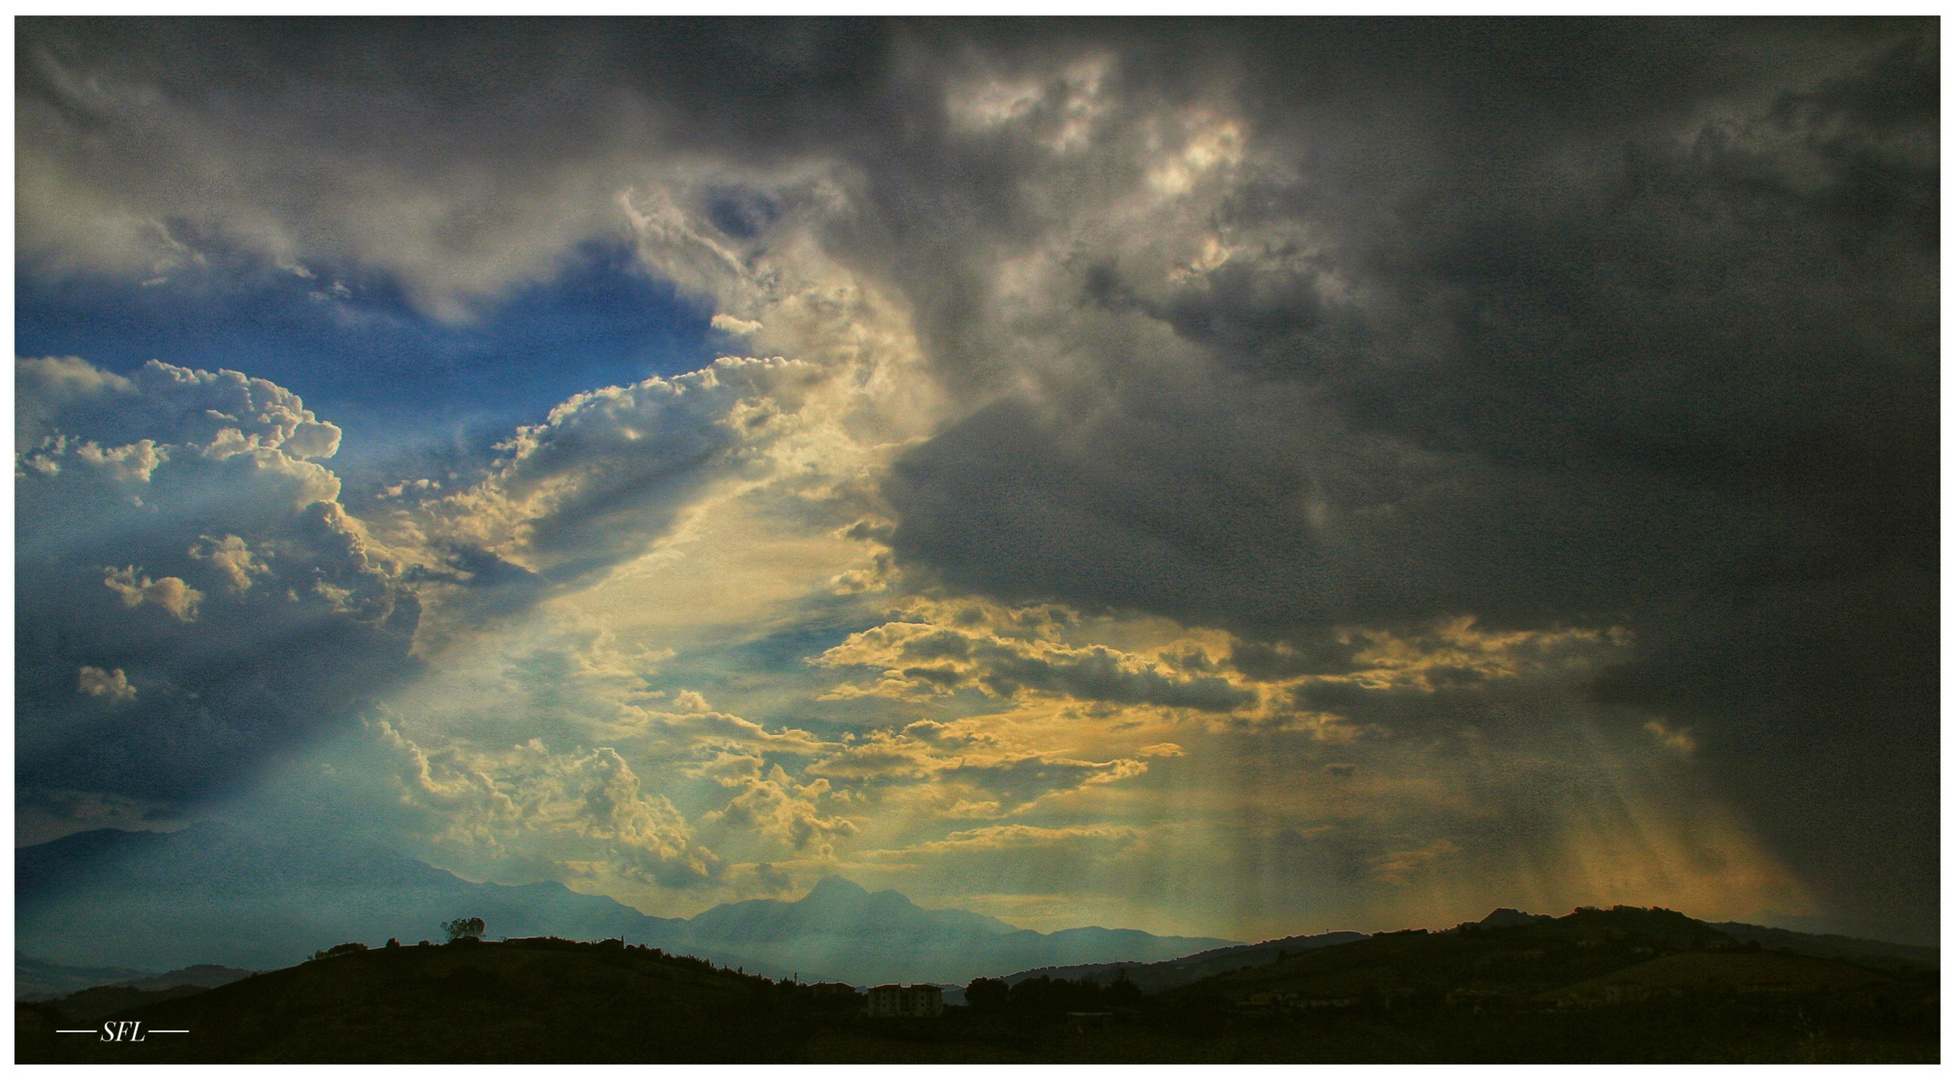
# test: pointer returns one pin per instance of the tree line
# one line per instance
(1045, 996)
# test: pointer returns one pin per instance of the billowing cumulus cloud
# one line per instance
(1355, 467)
(601, 481)
(120, 486)
(517, 814)
(226, 413)
(774, 805)
(232, 555)
(170, 594)
(614, 466)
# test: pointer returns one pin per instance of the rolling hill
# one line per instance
(518, 1001)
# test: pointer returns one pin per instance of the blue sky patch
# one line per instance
(364, 358)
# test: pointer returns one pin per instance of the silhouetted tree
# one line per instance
(988, 996)
(1122, 991)
(340, 950)
(1046, 995)
(463, 930)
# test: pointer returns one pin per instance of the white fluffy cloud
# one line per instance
(220, 413)
(522, 811)
(606, 474)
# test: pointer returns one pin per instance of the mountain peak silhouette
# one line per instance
(831, 889)
(215, 894)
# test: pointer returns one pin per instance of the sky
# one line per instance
(1236, 478)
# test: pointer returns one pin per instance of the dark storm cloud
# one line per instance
(1649, 337)
(460, 157)
(1270, 663)
(1206, 515)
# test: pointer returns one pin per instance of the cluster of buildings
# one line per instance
(894, 1000)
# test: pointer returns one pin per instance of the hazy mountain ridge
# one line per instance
(123, 902)
(35, 979)
(1836, 946)
(155, 900)
(40, 980)
(838, 906)
(213, 894)
(1165, 974)
(866, 937)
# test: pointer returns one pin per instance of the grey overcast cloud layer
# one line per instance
(1229, 476)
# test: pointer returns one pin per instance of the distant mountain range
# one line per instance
(213, 894)
(111, 908)
(1182, 971)
(42, 980)
(37, 980)
(1166, 974)
(882, 937)
(1876, 954)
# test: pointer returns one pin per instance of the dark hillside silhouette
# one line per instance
(1617, 985)
(514, 1001)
